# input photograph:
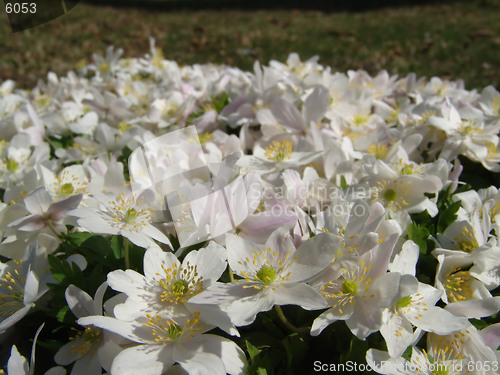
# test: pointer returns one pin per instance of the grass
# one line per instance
(453, 41)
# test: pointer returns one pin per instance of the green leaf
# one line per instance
(78, 238)
(261, 371)
(296, 349)
(357, 351)
(220, 102)
(418, 235)
(252, 350)
(117, 246)
(447, 217)
(62, 313)
(343, 183)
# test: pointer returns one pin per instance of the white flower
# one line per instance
(437, 360)
(358, 289)
(124, 216)
(414, 307)
(467, 135)
(276, 156)
(70, 181)
(92, 348)
(167, 285)
(164, 342)
(271, 275)
(45, 213)
(21, 285)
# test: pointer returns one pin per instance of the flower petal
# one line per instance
(144, 360)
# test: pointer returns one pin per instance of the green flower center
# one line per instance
(407, 169)
(67, 189)
(266, 274)
(130, 215)
(350, 287)
(390, 195)
(403, 302)
(180, 287)
(174, 331)
(12, 165)
(92, 334)
(279, 151)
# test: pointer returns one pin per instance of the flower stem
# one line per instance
(126, 253)
(53, 229)
(289, 325)
(231, 274)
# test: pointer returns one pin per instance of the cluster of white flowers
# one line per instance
(296, 182)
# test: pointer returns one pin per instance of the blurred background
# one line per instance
(450, 39)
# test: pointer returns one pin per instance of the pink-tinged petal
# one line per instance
(144, 360)
(316, 104)
(295, 188)
(313, 256)
(475, 309)
(210, 261)
(244, 311)
(232, 356)
(38, 201)
(79, 302)
(491, 335)
(129, 282)
(287, 114)
(397, 332)
(67, 353)
(59, 210)
(30, 223)
(199, 363)
(299, 294)
(156, 260)
(258, 227)
(281, 242)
